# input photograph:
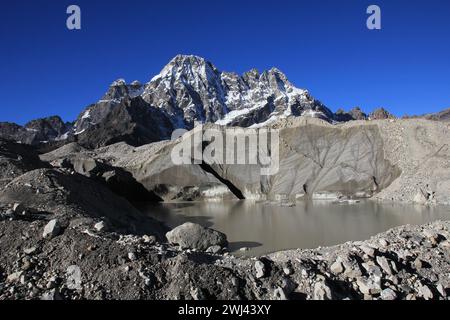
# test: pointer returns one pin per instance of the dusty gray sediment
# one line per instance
(387, 160)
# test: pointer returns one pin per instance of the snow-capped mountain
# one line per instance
(190, 89)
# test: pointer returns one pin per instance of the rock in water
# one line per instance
(52, 229)
(194, 236)
(420, 198)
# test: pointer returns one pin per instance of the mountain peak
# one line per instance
(118, 83)
(187, 58)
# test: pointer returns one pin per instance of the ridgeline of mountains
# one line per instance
(188, 90)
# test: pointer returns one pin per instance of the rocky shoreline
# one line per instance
(42, 259)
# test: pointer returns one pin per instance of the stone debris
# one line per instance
(337, 267)
(260, 269)
(321, 291)
(100, 226)
(214, 249)
(384, 264)
(52, 229)
(388, 294)
(425, 292)
(73, 275)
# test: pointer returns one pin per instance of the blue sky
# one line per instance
(323, 46)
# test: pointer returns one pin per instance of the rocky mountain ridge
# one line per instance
(188, 90)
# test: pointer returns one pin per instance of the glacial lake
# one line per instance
(265, 227)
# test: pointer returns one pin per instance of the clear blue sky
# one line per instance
(323, 46)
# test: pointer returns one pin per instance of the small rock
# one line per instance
(369, 251)
(321, 291)
(352, 270)
(243, 249)
(18, 208)
(100, 226)
(368, 287)
(197, 294)
(410, 297)
(260, 269)
(429, 234)
(287, 271)
(9, 213)
(420, 198)
(51, 295)
(73, 274)
(383, 242)
(14, 277)
(440, 288)
(394, 266)
(388, 294)
(374, 271)
(425, 292)
(279, 294)
(337, 267)
(445, 244)
(27, 265)
(304, 274)
(30, 251)
(149, 239)
(52, 282)
(418, 264)
(288, 286)
(384, 264)
(52, 229)
(132, 256)
(214, 249)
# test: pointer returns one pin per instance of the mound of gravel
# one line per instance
(59, 192)
(16, 159)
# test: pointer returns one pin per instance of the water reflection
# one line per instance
(267, 227)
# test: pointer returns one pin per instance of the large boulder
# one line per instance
(194, 236)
